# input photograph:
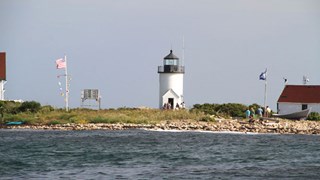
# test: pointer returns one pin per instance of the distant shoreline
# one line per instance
(228, 125)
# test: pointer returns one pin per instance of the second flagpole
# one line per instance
(67, 84)
(265, 98)
(265, 93)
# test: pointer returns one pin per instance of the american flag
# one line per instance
(61, 63)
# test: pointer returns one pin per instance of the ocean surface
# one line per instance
(142, 154)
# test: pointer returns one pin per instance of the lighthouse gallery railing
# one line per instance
(170, 69)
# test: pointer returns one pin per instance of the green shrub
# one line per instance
(100, 119)
(66, 116)
(30, 106)
(207, 119)
(225, 110)
(46, 109)
(9, 107)
(232, 109)
(53, 122)
(314, 116)
(206, 108)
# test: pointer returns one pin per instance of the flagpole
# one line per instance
(67, 84)
(265, 98)
(263, 76)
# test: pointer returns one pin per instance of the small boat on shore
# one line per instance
(14, 123)
(296, 115)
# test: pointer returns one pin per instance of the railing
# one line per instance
(170, 69)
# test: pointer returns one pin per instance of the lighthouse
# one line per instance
(171, 81)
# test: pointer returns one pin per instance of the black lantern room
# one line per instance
(171, 64)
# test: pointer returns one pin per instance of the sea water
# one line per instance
(141, 154)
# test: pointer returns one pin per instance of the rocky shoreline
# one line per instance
(259, 126)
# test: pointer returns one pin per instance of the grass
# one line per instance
(122, 115)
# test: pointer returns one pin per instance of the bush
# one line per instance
(207, 119)
(30, 106)
(46, 109)
(232, 109)
(10, 107)
(100, 119)
(66, 116)
(314, 116)
(226, 110)
(53, 122)
(206, 108)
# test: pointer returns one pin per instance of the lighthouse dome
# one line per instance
(171, 56)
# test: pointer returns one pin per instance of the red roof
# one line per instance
(300, 94)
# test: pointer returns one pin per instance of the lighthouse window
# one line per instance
(175, 62)
(171, 62)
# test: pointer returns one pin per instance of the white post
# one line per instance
(67, 84)
(265, 98)
(2, 83)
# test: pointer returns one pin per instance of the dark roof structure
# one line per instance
(171, 56)
(300, 94)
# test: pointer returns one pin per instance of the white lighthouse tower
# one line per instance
(171, 81)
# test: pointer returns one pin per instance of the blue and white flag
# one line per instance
(263, 76)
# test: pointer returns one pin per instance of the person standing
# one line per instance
(259, 112)
(252, 111)
(165, 106)
(183, 106)
(268, 111)
(248, 113)
(177, 106)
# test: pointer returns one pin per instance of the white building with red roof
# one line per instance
(295, 98)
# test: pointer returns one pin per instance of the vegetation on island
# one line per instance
(31, 112)
(225, 110)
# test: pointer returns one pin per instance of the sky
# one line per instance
(116, 45)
